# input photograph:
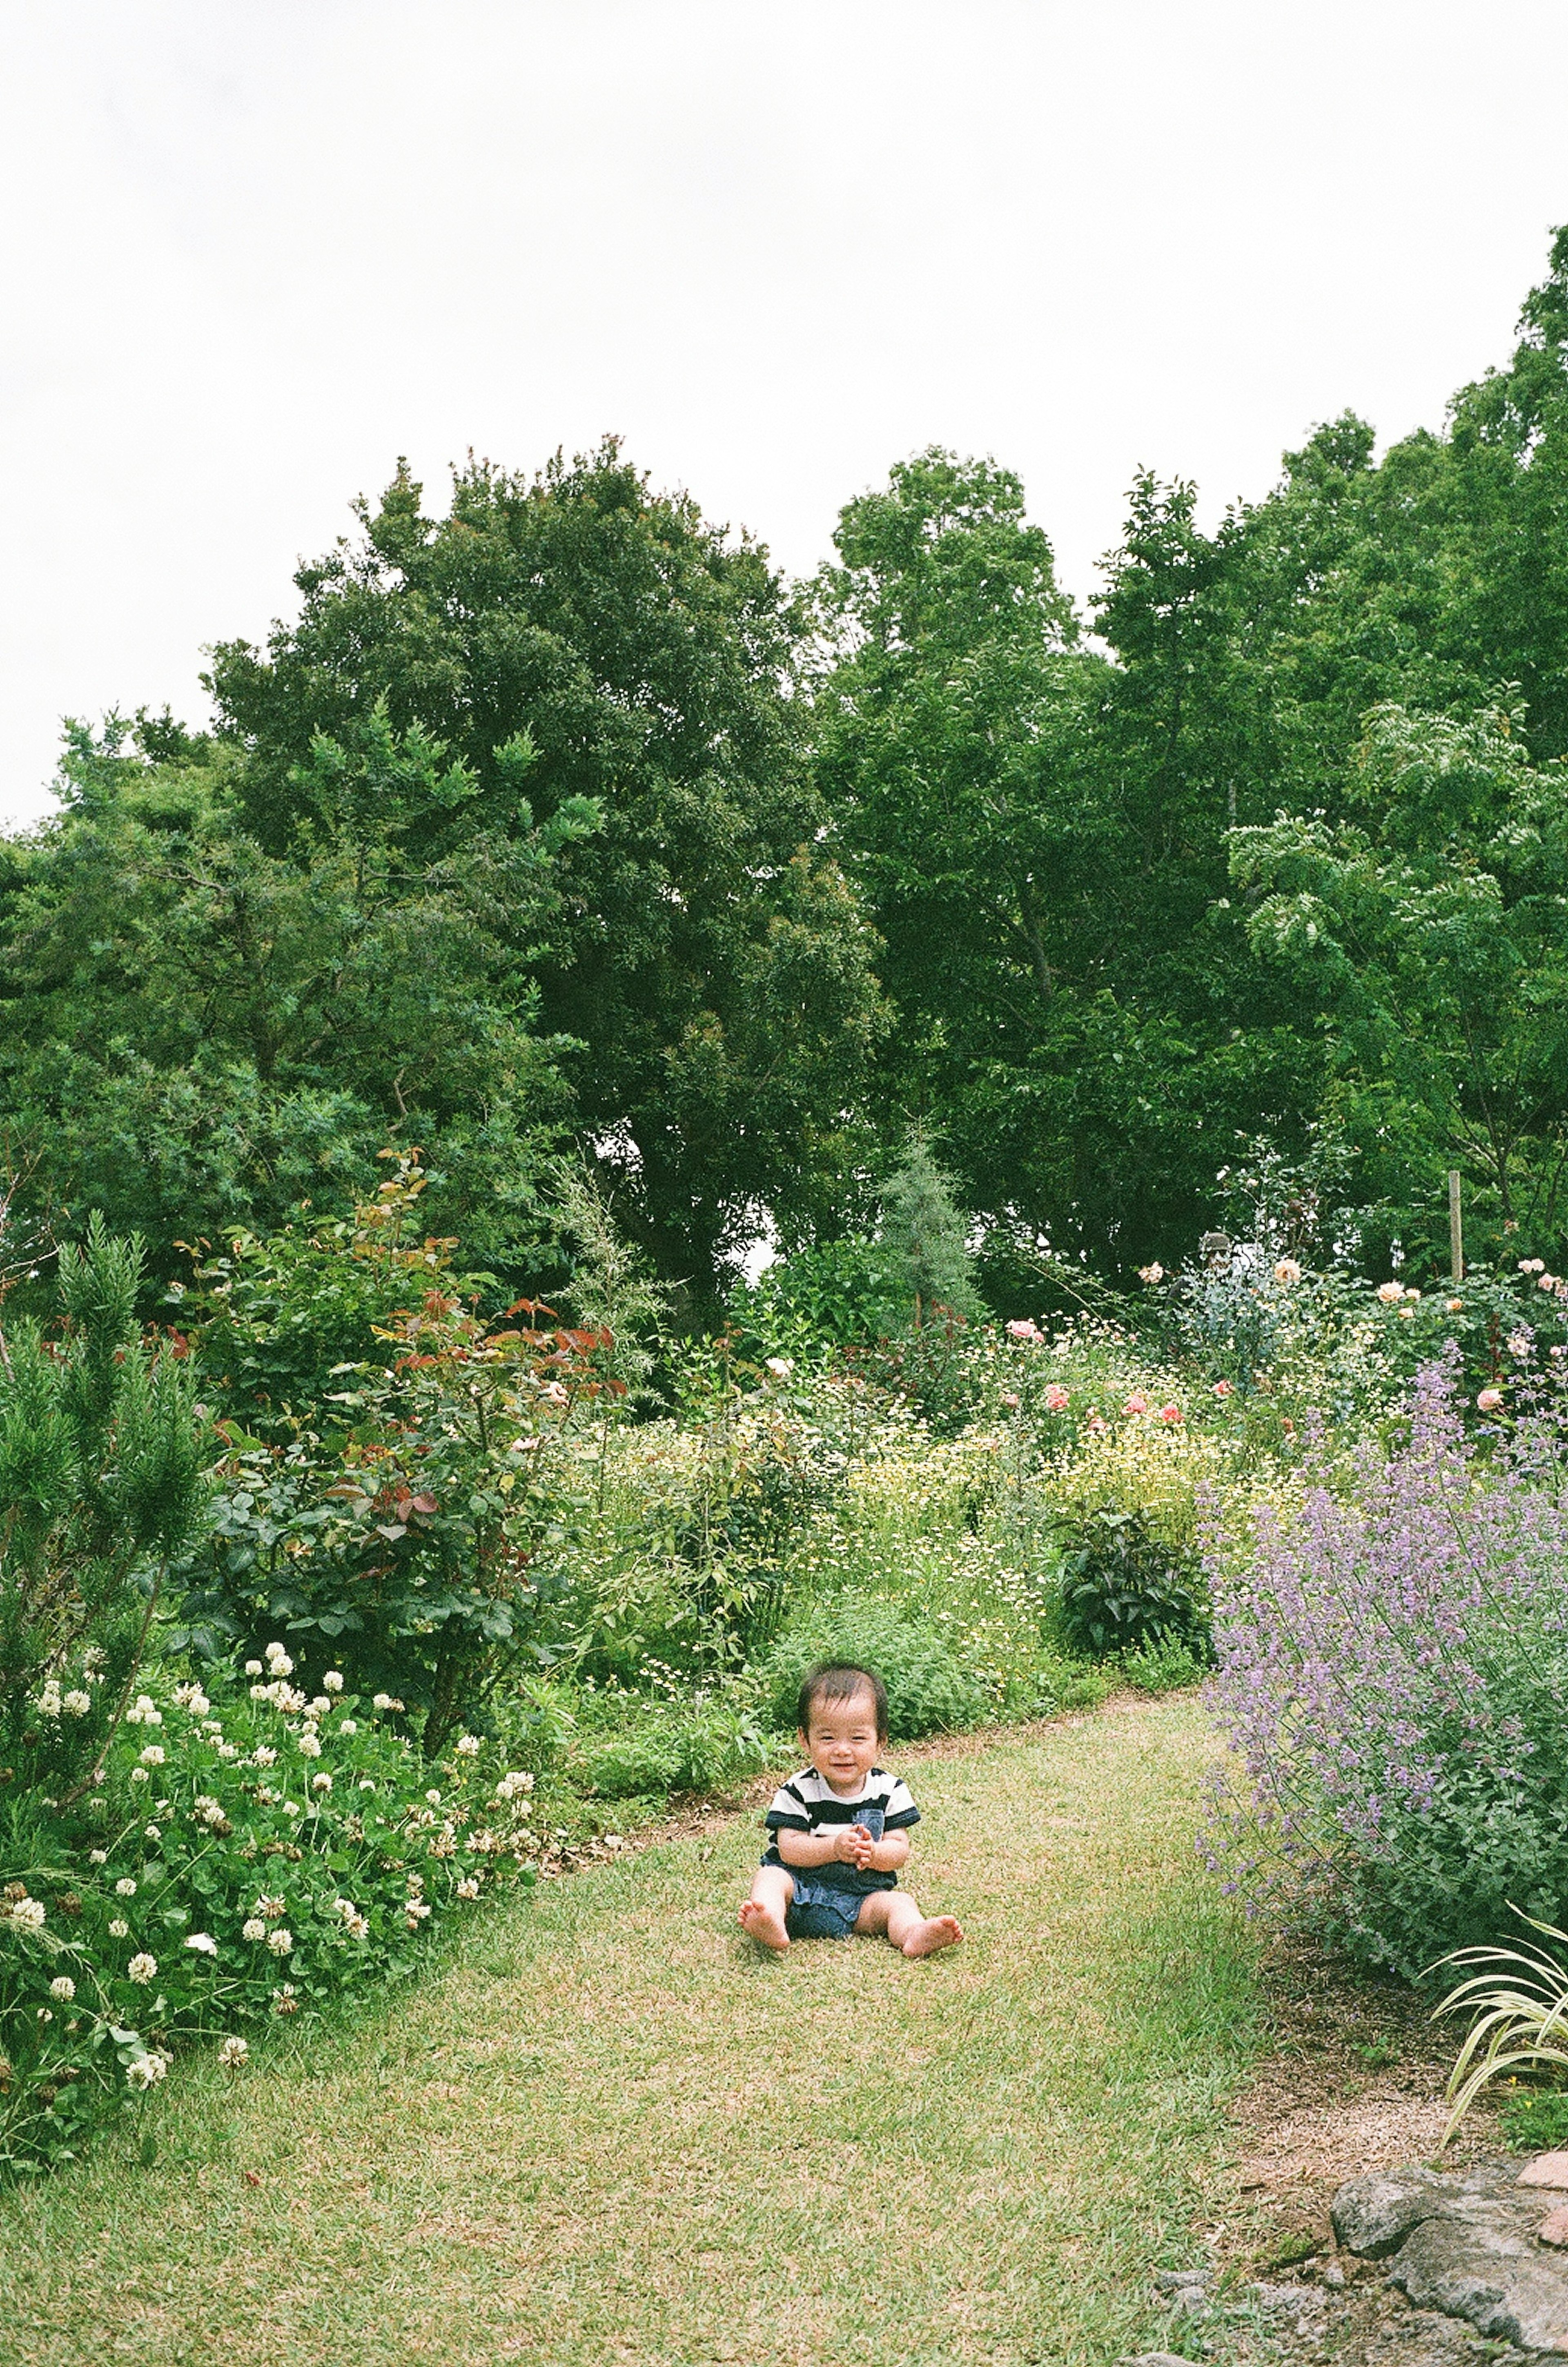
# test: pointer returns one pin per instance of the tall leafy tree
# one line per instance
(197, 1030)
(707, 959)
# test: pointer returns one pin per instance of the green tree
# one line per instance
(706, 957)
(1430, 935)
(198, 1031)
(924, 1236)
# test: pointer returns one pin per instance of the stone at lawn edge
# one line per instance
(1546, 2169)
(1155, 2358)
(1374, 2215)
(1478, 2261)
(1553, 2228)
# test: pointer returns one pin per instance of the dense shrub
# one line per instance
(1394, 1667)
(250, 1853)
(1123, 1588)
(929, 1689)
(102, 1478)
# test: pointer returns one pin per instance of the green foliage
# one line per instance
(930, 1691)
(1163, 1665)
(278, 1318)
(196, 1027)
(923, 1237)
(707, 961)
(1122, 1587)
(1535, 2120)
(247, 1856)
(102, 1479)
(411, 1544)
(694, 1741)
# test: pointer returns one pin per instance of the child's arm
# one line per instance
(849, 1845)
(889, 1853)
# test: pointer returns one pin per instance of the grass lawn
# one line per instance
(610, 2130)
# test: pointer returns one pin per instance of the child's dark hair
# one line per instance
(840, 1681)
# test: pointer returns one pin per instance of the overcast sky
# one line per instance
(253, 252)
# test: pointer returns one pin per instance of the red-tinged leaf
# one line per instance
(424, 1503)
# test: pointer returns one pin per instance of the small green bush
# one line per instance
(929, 1689)
(1122, 1587)
(1163, 1665)
(698, 1746)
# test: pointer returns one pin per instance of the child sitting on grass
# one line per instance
(840, 1829)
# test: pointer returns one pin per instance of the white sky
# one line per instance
(252, 253)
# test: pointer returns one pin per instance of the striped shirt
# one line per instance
(808, 1804)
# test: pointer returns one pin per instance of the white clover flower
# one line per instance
(64, 1989)
(416, 1883)
(190, 1696)
(321, 1783)
(264, 1755)
(278, 1661)
(207, 1811)
(357, 1926)
(232, 2052)
(252, 1668)
(153, 1756)
(332, 1681)
(367, 1783)
(347, 1726)
(98, 1857)
(141, 1968)
(418, 1909)
(309, 1744)
(280, 1940)
(283, 2000)
(76, 1703)
(228, 1750)
(321, 1705)
(254, 1929)
(126, 1886)
(140, 1775)
(270, 1906)
(49, 1699)
(146, 2070)
(119, 1929)
(156, 1832)
(469, 1887)
(203, 1942)
(469, 1746)
(144, 1711)
(292, 1808)
(382, 1701)
(434, 1798)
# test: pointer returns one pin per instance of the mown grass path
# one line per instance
(610, 2131)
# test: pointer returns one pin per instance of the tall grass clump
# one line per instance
(1392, 1651)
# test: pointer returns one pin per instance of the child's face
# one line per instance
(841, 1740)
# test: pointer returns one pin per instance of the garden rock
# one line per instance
(1469, 2247)
(1374, 2215)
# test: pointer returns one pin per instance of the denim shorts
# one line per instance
(821, 1910)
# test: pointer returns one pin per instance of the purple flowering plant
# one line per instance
(1392, 1675)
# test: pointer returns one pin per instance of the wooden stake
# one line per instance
(1455, 1229)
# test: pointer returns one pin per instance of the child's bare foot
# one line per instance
(932, 1932)
(765, 1924)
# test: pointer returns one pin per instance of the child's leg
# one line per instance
(895, 1914)
(763, 1913)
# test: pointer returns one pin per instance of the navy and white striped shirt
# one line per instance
(808, 1804)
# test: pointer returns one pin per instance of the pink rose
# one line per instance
(1136, 1403)
(1009, 1398)
(1223, 1389)
(1170, 1413)
(1489, 1400)
(1056, 1400)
